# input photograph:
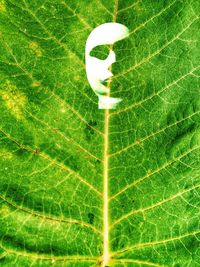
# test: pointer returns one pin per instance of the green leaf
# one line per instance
(85, 187)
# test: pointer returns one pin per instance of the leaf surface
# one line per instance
(84, 187)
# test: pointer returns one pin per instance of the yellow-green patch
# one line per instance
(6, 154)
(36, 84)
(4, 210)
(14, 99)
(34, 46)
(2, 6)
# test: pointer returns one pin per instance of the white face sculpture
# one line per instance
(98, 70)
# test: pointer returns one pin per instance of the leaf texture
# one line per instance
(84, 187)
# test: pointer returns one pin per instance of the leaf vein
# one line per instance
(152, 173)
(48, 158)
(158, 51)
(179, 194)
(154, 243)
(152, 135)
(49, 217)
(157, 93)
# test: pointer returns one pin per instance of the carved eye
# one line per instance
(100, 51)
(99, 58)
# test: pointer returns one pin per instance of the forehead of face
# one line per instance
(106, 34)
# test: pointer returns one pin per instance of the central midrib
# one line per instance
(106, 252)
(105, 194)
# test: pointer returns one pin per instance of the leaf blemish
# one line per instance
(36, 49)
(89, 130)
(36, 152)
(36, 84)
(54, 130)
(5, 210)
(98, 161)
(2, 6)
(91, 217)
(14, 99)
(6, 154)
